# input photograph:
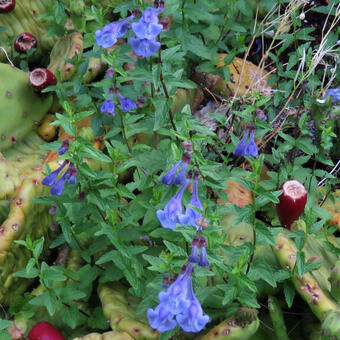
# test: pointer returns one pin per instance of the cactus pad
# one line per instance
(114, 335)
(20, 108)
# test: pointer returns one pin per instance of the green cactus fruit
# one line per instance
(66, 48)
(26, 17)
(240, 327)
(120, 308)
(114, 335)
(318, 299)
(330, 326)
(20, 108)
(276, 316)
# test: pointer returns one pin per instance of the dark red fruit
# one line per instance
(44, 331)
(25, 42)
(292, 202)
(40, 78)
(7, 6)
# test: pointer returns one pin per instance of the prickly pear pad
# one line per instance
(20, 108)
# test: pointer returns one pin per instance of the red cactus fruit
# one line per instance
(292, 202)
(25, 42)
(40, 78)
(44, 331)
(7, 6)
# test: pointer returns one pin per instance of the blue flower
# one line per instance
(180, 178)
(241, 146)
(244, 148)
(176, 297)
(64, 147)
(126, 103)
(334, 94)
(146, 30)
(191, 216)
(178, 301)
(144, 47)
(109, 34)
(203, 262)
(161, 318)
(51, 178)
(58, 185)
(108, 106)
(169, 215)
(192, 318)
(148, 27)
(251, 148)
(193, 258)
(169, 177)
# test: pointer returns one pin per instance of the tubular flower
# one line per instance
(58, 185)
(192, 318)
(191, 216)
(64, 147)
(126, 103)
(203, 261)
(169, 215)
(244, 148)
(193, 258)
(109, 34)
(333, 93)
(108, 106)
(179, 302)
(146, 30)
(171, 178)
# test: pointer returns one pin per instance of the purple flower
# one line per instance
(169, 177)
(109, 34)
(180, 178)
(108, 106)
(192, 318)
(191, 216)
(126, 103)
(64, 147)
(169, 215)
(245, 148)
(144, 47)
(51, 178)
(161, 318)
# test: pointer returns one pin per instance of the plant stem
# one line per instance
(124, 132)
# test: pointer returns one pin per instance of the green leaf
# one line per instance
(289, 292)
(38, 247)
(53, 273)
(4, 324)
(47, 299)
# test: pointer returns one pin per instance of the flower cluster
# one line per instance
(173, 211)
(70, 175)
(178, 305)
(247, 147)
(146, 31)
